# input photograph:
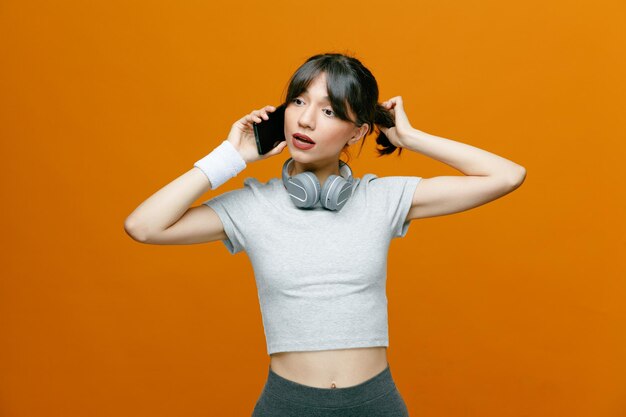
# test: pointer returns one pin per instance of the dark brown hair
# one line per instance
(350, 85)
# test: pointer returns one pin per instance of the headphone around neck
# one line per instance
(306, 193)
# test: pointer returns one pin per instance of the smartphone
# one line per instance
(269, 133)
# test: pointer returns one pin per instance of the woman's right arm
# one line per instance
(166, 218)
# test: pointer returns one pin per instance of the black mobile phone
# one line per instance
(269, 133)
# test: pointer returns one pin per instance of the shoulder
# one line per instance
(388, 183)
(395, 189)
(255, 184)
(252, 182)
(365, 181)
(367, 178)
(252, 188)
(260, 191)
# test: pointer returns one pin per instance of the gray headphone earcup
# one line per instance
(304, 189)
(335, 192)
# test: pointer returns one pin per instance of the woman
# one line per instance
(318, 237)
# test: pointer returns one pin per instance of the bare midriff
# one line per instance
(340, 368)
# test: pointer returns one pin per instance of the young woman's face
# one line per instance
(311, 114)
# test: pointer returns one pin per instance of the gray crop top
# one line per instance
(320, 274)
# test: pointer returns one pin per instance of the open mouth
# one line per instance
(303, 138)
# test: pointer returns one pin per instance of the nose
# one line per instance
(306, 118)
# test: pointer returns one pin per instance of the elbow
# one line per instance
(135, 230)
(517, 177)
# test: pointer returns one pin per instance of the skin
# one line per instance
(486, 177)
(311, 115)
(323, 368)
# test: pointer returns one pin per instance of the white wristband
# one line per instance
(222, 164)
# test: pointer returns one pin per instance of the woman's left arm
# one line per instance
(487, 176)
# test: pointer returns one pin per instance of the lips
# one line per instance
(305, 137)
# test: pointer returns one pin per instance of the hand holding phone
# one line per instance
(244, 138)
(271, 132)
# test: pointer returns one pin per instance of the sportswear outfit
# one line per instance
(319, 254)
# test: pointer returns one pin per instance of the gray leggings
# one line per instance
(376, 397)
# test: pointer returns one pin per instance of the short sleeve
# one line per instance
(232, 209)
(395, 194)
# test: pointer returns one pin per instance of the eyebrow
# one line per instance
(325, 99)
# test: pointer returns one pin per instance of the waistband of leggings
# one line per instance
(295, 392)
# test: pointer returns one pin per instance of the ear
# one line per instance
(359, 132)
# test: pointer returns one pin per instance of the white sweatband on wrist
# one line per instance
(222, 164)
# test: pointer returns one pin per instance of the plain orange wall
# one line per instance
(515, 308)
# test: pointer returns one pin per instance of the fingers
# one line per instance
(254, 117)
(276, 150)
(259, 115)
(279, 148)
(392, 102)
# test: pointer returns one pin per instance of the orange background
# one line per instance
(515, 308)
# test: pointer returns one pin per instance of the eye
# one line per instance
(296, 100)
